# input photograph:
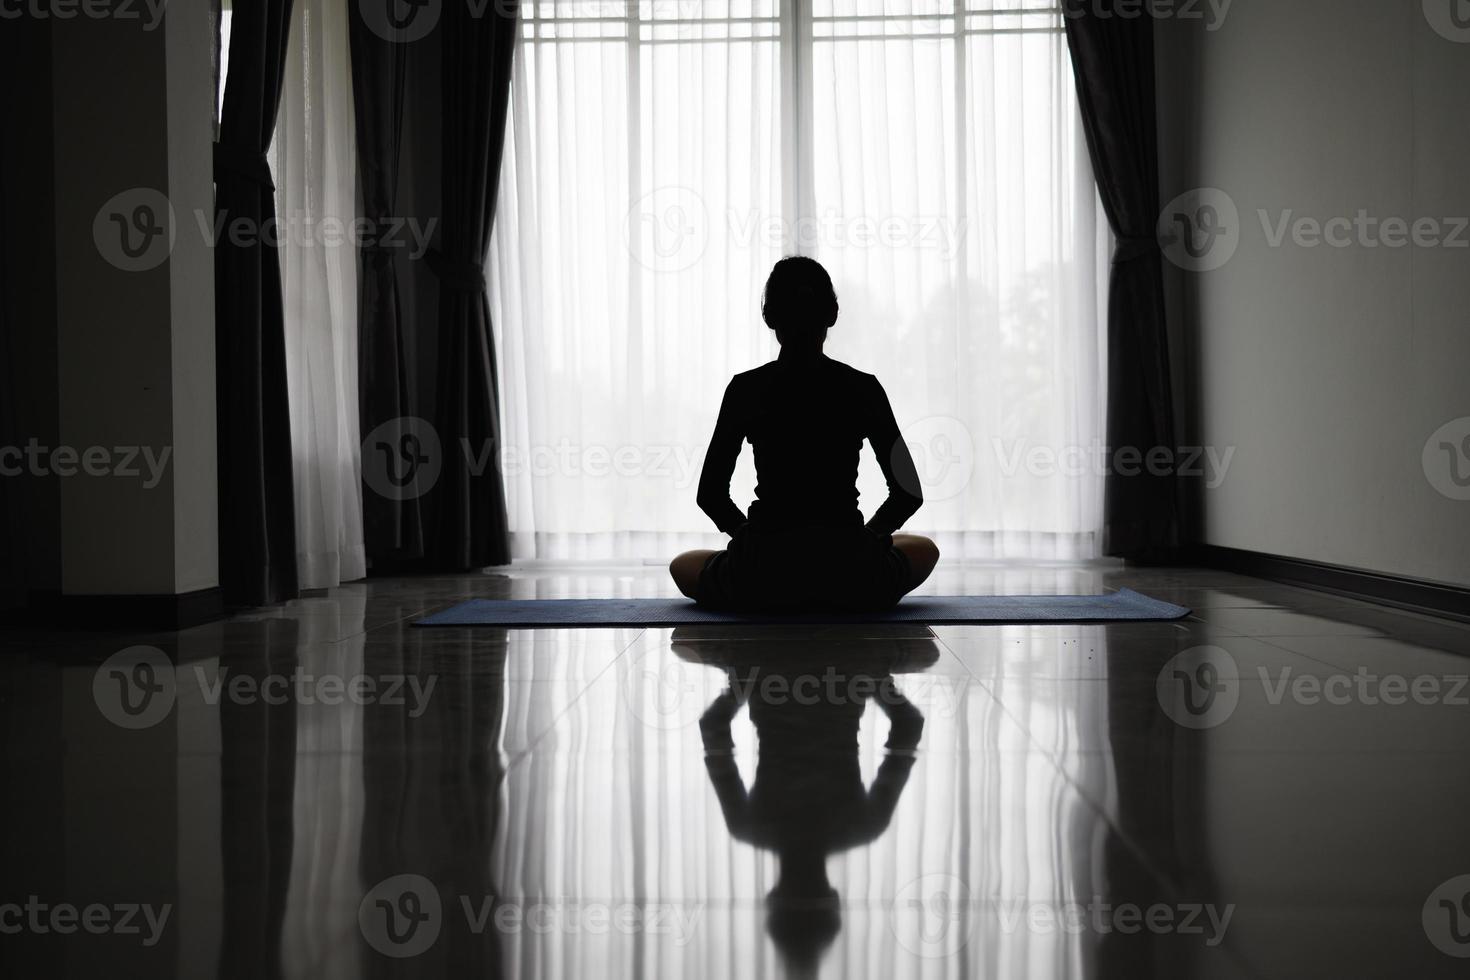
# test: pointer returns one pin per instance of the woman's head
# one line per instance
(799, 303)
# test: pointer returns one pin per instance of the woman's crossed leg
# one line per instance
(921, 552)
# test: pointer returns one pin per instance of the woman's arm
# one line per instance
(719, 759)
(905, 493)
(719, 466)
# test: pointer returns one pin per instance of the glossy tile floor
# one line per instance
(1276, 787)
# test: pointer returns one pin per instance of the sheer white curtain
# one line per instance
(314, 162)
(952, 198)
(620, 301)
(665, 153)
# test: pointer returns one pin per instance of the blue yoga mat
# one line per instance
(1120, 606)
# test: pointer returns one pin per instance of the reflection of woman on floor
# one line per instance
(808, 800)
(804, 544)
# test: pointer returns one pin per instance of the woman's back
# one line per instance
(807, 422)
(806, 417)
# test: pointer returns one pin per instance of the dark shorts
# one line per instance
(797, 569)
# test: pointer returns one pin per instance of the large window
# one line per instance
(665, 153)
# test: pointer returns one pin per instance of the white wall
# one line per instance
(191, 107)
(133, 111)
(1327, 368)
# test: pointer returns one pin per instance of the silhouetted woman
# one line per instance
(804, 544)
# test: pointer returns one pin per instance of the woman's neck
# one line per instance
(800, 352)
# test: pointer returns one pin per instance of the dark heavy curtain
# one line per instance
(470, 520)
(431, 114)
(256, 505)
(12, 551)
(392, 528)
(1113, 61)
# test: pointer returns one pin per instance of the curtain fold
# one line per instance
(478, 48)
(314, 162)
(256, 489)
(392, 525)
(1113, 63)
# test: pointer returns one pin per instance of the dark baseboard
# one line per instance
(1416, 595)
(126, 612)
